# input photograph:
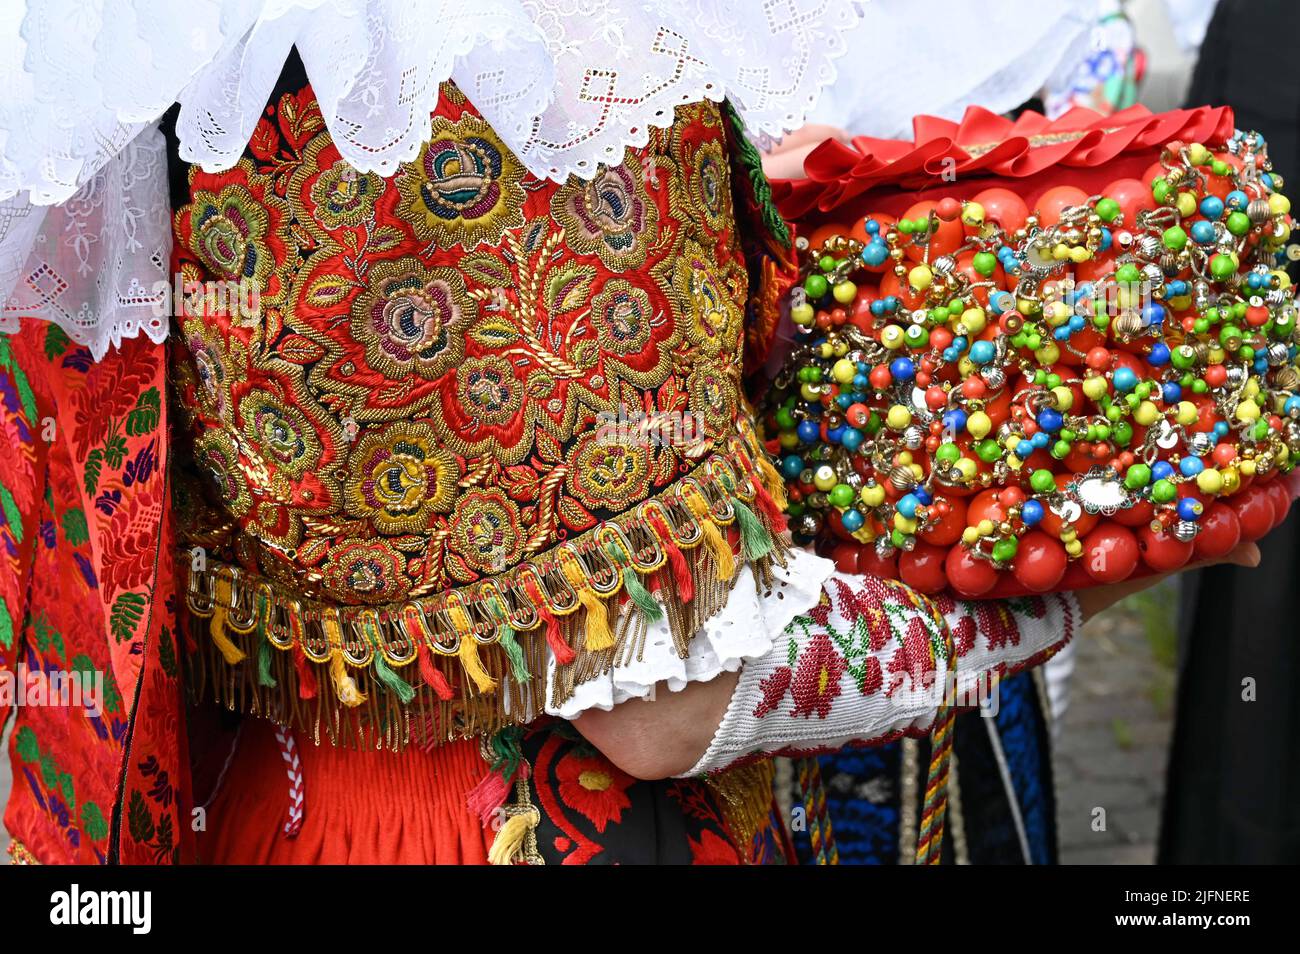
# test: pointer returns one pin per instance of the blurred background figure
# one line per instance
(1234, 767)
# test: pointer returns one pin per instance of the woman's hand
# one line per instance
(785, 160)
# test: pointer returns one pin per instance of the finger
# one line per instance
(1246, 554)
(811, 134)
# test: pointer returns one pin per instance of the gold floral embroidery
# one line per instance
(486, 531)
(464, 188)
(610, 216)
(400, 477)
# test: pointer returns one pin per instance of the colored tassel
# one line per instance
(771, 509)
(599, 636)
(391, 680)
(217, 627)
(722, 555)
(492, 791)
(508, 844)
(681, 572)
(564, 654)
(485, 798)
(432, 675)
(344, 685)
(514, 652)
(755, 541)
(473, 665)
(642, 597)
(264, 677)
(307, 687)
(775, 486)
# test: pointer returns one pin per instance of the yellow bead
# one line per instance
(1247, 468)
(1283, 279)
(898, 417)
(891, 336)
(1060, 251)
(1251, 388)
(1095, 387)
(970, 536)
(905, 524)
(904, 458)
(920, 277)
(1057, 313)
(1049, 353)
(1080, 254)
(1209, 481)
(985, 527)
(1074, 548)
(1063, 397)
(965, 367)
(824, 478)
(789, 440)
(1186, 204)
(1146, 413)
(1231, 480)
(864, 534)
(809, 392)
(873, 495)
(844, 371)
(979, 424)
(1068, 533)
(917, 471)
(974, 320)
(972, 214)
(1216, 355)
(965, 467)
(1279, 204)
(1027, 306)
(1186, 413)
(1198, 154)
(1013, 441)
(1247, 411)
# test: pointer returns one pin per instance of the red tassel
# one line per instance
(306, 676)
(676, 560)
(485, 798)
(564, 654)
(775, 518)
(432, 675)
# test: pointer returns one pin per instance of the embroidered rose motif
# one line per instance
(913, 660)
(817, 680)
(281, 432)
(609, 217)
(774, 688)
(345, 197)
(361, 570)
(608, 474)
(400, 477)
(413, 319)
(486, 531)
(621, 313)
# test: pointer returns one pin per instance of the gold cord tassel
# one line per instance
(507, 846)
(217, 627)
(473, 665)
(722, 555)
(599, 636)
(344, 685)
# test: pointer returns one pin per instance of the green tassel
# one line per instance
(507, 750)
(514, 652)
(264, 677)
(755, 541)
(394, 683)
(636, 590)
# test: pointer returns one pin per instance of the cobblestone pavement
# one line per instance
(1114, 737)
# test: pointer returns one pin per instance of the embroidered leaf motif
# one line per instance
(25, 745)
(74, 527)
(144, 417)
(93, 823)
(115, 451)
(575, 514)
(486, 269)
(567, 288)
(493, 332)
(56, 341)
(94, 463)
(328, 291)
(128, 609)
(167, 652)
(6, 627)
(139, 820)
(385, 237)
(13, 516)
(300, 349)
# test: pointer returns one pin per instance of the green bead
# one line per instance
(948, 453)
(1238, 223)
(826, 263)
(1053, 380)
(1137, 477)
(1127, 273)
(1107, 209)
(898, 538)
(1164, 491)
(1123, 433)
(1174, 238)
(905, 226)
(815, 285)
(985, 263)
(1199, 386)
(1219, 167)
(989, 450)
(785, 420)
(1042, 481)
(1160, 190)
(841, 495)
(1061, 449)
(1004, 551)
(916, 336)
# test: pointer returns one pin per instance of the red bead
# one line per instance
(1098, 359)
(1110, 553)
(1219, 534)
(1162, 551)
(935, 398)
(880, 377)
(1216, 375)
(969, 576)
(1040, 562)
(922, 568)
(948, 209)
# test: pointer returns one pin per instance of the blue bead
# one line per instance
(872, 227)
(1062, 333)
(1292, 405)
(1190, 465)
(1162, 470)
(923, 495)
(842, 401)
(792, 466)
(891, 302)
(959, 343)
(808, 431)
(1159, 356)
(1171, 393)
(852, 520)
(1211, 208)
(1077, 323)
(1031, 511)
(1040, 440)
(1189, 508)
(851, 438)
(955, 421)
(1237, 199)
(1202, 232)
(1049, 420)
(907, 505)
(902, 369)
(1124, 379)
(982, 352)
(833, 434)
(861, 382)
(875, 253)
(951, 354)
(1221, 427)
(1106, 239)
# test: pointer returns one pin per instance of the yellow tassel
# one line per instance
(344, 685)
(722, 554)
(508, 844)
(772, 480)
(599, 636)
(473, 665)
(217, 627)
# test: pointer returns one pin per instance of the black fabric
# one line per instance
(1234, 771)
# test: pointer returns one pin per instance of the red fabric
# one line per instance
(838, 174)
(362, 807)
